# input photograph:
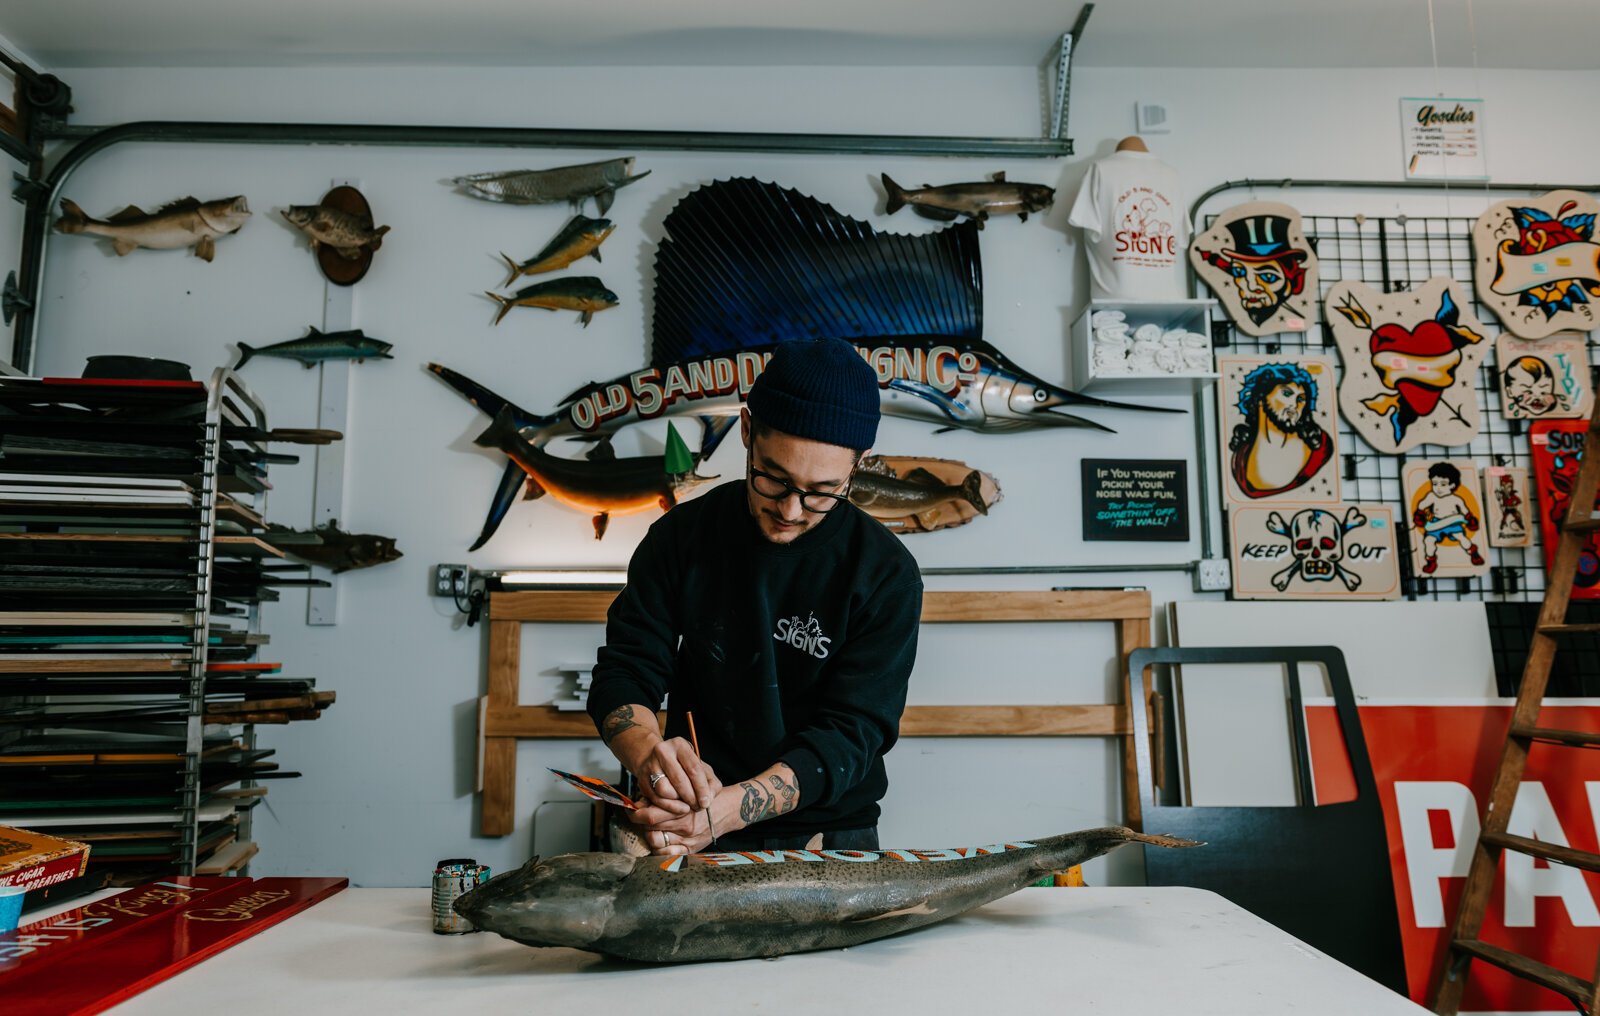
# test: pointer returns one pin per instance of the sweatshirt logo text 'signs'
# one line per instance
(805, 636)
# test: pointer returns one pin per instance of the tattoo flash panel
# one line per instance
(1544, 380)
(1410, 359)
(1256, 259)
(1447, 532)
(1557, 448)
(1507, 510)
(1537, 265)
(1314, 552)
(1277, 427)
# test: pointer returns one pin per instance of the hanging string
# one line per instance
(1438, 93)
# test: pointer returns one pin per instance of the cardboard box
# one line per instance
(32, 860)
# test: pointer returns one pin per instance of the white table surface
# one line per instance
(1114, 950)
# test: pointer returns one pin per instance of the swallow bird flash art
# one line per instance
(747, 265)
(730, 906)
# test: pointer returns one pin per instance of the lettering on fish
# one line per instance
(655, 390)
(743, 857)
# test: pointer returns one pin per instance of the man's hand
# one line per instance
(672, 777)
(771, 793)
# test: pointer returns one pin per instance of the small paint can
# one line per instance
(451, 878)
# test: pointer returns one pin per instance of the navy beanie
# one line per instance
(818, 389)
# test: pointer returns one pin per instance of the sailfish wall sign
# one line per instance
(747, 265)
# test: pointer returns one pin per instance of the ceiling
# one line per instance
(1533, 34)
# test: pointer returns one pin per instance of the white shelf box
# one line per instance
(1189, 315)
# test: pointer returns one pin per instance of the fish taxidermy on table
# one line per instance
(921, 495)
(972, 200)
(763, 903)
(317, 347)
(187, 222)
(349, 234)
(912, 305)
(602, 484)
(583, 293)
(579, 238)
(572, 184)
(333, 548)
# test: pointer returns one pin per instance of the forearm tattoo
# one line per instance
(616, 721)
(762, 801)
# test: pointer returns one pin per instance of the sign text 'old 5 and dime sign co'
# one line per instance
(1536, 263)
(1442, 139)
(1278, 429)
(1314, 552)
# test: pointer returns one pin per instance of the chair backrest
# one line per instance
(1319, 872)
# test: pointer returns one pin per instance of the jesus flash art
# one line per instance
(1277, 429)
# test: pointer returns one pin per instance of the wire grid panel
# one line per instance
(1395, 255)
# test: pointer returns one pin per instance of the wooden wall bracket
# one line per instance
(504, 720)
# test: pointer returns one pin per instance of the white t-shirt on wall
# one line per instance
(1136, 228)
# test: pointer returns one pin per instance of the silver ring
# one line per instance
(656, 778)
(666, 839)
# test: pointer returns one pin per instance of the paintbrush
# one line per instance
(694, 739)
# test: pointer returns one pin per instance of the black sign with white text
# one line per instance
(1139, 500)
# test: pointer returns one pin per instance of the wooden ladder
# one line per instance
(1465, 945)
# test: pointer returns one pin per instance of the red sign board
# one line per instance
(1434, 765)
(99, 974)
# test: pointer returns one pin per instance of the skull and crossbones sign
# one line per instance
(1316, 539)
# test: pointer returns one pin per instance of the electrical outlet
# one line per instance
(451, 579)
(1212, 576)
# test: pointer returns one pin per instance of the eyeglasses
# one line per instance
(774, 489)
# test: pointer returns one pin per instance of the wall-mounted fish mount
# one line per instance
(341, 233)
(971, 200)
(316, 347)
(583, 293)
(918, 495)
(331, 547)
(911, 304)
(579, 238)
(572, 184)
(187, 222)
(602, 484)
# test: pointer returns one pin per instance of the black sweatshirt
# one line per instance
(798, 653)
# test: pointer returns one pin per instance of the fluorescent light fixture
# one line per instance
(560, 578)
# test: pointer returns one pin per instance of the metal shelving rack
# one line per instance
(51, 591)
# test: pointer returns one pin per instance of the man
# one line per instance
(782, 616)
(1279, 445)
(1265, 269)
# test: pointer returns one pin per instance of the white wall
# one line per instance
(389, 769)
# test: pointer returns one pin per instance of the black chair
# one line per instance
(1319, 872)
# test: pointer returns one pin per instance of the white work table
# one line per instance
(1119, 950)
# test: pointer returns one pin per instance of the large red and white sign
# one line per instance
(1434, 764)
